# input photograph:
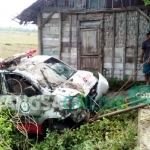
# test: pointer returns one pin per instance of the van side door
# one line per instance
(15, 97)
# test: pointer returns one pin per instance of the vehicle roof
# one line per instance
(37, 58)
(35, 69)
(30, 61)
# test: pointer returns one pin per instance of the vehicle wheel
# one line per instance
(58, 125)
(47, 125)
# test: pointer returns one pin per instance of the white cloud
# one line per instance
(9, 9)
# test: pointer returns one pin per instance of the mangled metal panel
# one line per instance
(64, 5)
(45, 74)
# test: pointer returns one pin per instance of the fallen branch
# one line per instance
(116, 113)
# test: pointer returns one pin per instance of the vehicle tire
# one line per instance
(58, 125)
(46, 126)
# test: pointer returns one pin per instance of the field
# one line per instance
(12, 42)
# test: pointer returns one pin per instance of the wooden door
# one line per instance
(90, 49)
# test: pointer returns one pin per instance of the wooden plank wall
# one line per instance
(108, 43)
(130, 30)
(123, 34)
(51, 35)
(69, 39)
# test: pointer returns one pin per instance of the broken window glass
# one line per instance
(16, 84)
(60, 68)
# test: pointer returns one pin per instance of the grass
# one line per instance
(12, 42)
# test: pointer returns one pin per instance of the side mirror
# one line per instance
(30, 91)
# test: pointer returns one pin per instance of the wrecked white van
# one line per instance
(48, 90)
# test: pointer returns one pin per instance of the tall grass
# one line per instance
(12, 42)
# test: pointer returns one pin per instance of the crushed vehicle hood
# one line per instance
(43, 74)
(82, 81)
(49, 72)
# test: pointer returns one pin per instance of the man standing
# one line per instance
(145, 56)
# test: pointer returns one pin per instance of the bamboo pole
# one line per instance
(116, 113)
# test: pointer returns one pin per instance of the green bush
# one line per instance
(147, 2)
(10, 137)
(5, 130)
(116, 83)
(116, 133)
(8, 44)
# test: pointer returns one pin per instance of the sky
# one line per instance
(9, 9)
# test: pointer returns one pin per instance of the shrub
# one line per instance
(8, 44)
(10, 137)
(147, 2)
(116, 133)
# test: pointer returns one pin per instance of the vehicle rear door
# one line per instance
(16, 99)
(5, 99)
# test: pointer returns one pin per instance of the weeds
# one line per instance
(116, 133)
(116, 83)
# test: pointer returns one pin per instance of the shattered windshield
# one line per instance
(50, 73)
(60, 68)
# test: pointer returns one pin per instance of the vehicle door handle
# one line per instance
(14, 101)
